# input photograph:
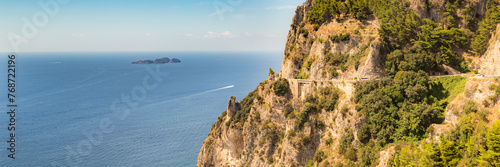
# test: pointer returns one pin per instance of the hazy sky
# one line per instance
(145, 25)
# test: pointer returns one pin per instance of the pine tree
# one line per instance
(449, 153)
(492, 156)
(425, 158)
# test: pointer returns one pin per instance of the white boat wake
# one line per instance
(213, 90)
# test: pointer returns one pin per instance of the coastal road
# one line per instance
(306, 81)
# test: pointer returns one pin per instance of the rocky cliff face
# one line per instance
(267, 129)
(489, 64)
(268, 137)
(308, 47)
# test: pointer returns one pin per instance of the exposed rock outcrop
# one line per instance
(232, 107)
(489, 64)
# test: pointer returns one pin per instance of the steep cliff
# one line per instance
(351, 93)
(310, 48)
(272, 134)
(489, 64)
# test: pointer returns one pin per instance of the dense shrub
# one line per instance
(319, 156)
(329, 97)
(301, 118)
(397, 109)
(351, 154)
(316, 27)
(495, 87)
(346, 140)
(308, 64)
(281, 87)
(288, 110)
(356, 65)
(304, 32)
(492, 155)
(344, 110)
(310, 108)
(319, 124)
(303, 115)
(336, 59)
(364, 133)
(333, 72)
(326, 10)
(470, 106)
(340, 37)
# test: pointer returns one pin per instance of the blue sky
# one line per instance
(146, 25)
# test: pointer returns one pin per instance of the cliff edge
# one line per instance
(363, 84)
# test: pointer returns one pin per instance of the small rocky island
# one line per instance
(158, 61)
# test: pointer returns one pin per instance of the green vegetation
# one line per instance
(333, 71)
(319, 124)
(356, 65)
(324, 98)
(410, 42)
(334, 60)
(310, 164)
(420, 44)
(486, 26)
(446, 88)
(308, 64)
(302, 75)
(470, 106)
(328, 98)
(304, 32)
(464, 146)
(340, 37)
(399, 109)
(281, 87)
(325, 10)
(319, 156)
(345, 141)
(316, 27)
(344, 110)
(495, 87)
(271, 71)
(492, 155)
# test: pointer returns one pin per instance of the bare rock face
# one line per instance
(450, 70)
(489, 64)
(372, 68)
(224, 144)
(423, 11)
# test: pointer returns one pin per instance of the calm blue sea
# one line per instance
(64, 97)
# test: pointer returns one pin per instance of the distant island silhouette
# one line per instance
(158, 61)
